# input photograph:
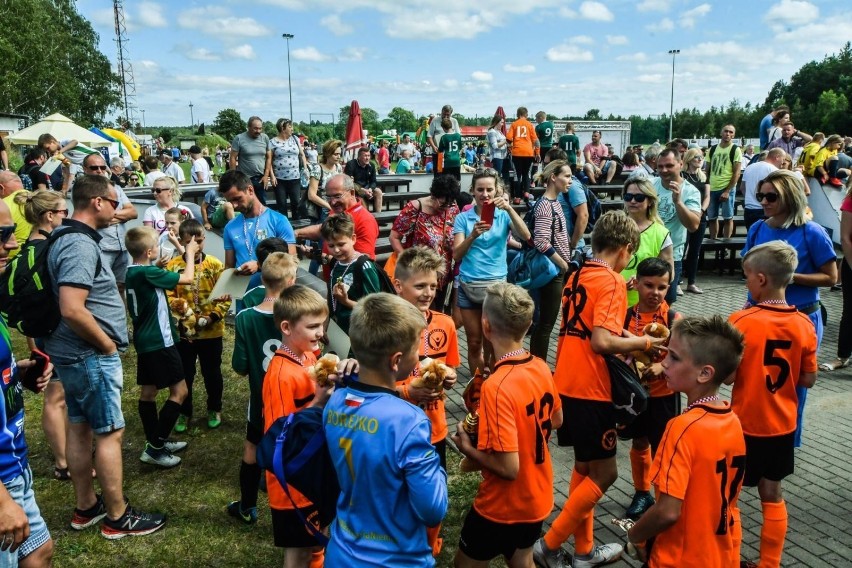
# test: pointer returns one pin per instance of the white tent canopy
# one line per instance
(62, 128)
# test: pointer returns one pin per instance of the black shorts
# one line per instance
(651, 424)
(253, 434)
(161, 368)
(288, 530)
(769, 457)
(482, 539)
(589, 426)
(441, 450)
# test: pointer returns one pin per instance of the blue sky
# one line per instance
(560, 56)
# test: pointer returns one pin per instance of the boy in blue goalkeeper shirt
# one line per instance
(391, 480)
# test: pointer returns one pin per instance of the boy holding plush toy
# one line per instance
(650, 316)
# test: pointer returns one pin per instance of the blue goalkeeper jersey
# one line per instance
(391, 480)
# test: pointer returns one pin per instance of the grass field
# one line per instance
(193, 495)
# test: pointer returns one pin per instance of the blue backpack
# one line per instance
(295, 450)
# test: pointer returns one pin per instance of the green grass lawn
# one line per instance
(193, 495)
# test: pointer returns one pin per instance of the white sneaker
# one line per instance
(174, 446)
(602, 554)
(549, 558)
(159, 456)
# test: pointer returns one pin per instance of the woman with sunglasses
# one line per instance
(286, 160)
(479, 248)
(693, 173)
(166, 194)
(428, 222)
(328, 167)
(640, 204)
(782, 196)
(44, 211)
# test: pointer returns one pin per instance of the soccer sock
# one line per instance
(640, 464)
(317, 559)
(249, 483)
(581, 502)
(584, 535)
(148, 415)
(168, 418)
(772, 534)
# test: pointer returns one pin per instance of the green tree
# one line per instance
(269, 128)
(369, 119)
(402, 119)
(166, 134)
(228, 123)
(66, 74)
(593, 114)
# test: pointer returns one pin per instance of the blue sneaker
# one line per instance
(248, 517)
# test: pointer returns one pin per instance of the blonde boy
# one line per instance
(391, 480)
(300, 315)
(154, 336)
(256, 339)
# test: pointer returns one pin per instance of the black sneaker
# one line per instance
(84, 519)
(132, 523)
(642, 501)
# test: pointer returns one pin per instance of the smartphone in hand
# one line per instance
(30, 378)
(487, 213)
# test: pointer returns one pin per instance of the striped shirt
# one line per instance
(550, 231)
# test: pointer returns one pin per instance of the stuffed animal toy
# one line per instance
(325, 366)
(184, 315)
(643, 359)
(431, 375)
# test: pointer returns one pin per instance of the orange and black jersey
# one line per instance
(635, 323)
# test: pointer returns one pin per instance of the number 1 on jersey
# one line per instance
(728, 492)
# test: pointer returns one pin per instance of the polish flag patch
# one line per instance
(353, 400)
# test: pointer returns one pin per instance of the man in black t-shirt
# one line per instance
(363, 172)
(34, 160)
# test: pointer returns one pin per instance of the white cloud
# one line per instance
(244, 51)
(567, 53)
(664, 25)
(633, 57)
(617, 40)
(150, 15)
(596, 11)
(439, 26)
(482, 76)
(202, 54)
(792, 12)
(336, 25)
(450, 83)
(688, 18)
(829, 34)
(509, 68)
(352, 54)
(654, 6)
(582, 40)
(148, 64)
(308, 54)
(655, 78)
(217, 21)
(566, 12)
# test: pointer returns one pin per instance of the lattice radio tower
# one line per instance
(125, 69)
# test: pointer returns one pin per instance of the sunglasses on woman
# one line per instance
(637, 197)
(769, 197)
(159, 190)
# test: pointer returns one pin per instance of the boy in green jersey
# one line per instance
(451, 147)
(154, 336)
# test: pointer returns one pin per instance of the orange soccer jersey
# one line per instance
(780, 345)
(439, 342)
(521, 135)
(517, 403)
(287, 387)
(701, 461)
(635, 323)
(599, 301)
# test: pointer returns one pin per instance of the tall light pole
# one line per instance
(191, 116)
(143, 120)
(673, 53)
(288, 37)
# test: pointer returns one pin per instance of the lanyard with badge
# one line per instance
(256, 234)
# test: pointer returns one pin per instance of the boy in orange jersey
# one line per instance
(594, 305)
(780, 354)
(519, 407)
(652, 282)
(699, 467)
(300, 314)
(416, 282)
(525, 148)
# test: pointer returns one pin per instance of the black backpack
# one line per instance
(27, 300)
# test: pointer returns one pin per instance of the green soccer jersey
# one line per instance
(451, 146)
(255, 341)
(358, 282)
(254, 297)
(571, 144)
(544, 132)
(153, 325)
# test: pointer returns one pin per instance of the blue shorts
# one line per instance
(21, 491)
(716, 204)
(93, 391)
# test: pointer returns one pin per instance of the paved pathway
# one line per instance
(818, 495)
